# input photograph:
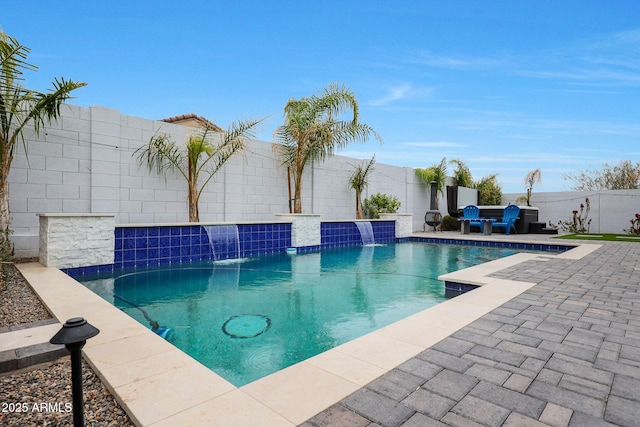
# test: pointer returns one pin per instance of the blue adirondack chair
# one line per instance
(509, 217)
(472, 211)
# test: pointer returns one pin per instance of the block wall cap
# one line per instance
(49, 214)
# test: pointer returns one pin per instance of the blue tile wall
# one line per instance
(384, 231)
(145, 246)
(338, 234)
(148, 246)
(459, 287)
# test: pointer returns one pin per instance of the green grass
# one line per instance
(604, 236)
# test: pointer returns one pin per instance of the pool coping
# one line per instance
(157, 384)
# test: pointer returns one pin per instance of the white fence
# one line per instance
(610, 210)
(84, 164)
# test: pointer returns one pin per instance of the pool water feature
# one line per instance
(224, 239)
(366, 232)
(247, 320)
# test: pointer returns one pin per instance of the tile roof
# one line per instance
(193, 120)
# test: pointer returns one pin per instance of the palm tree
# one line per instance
(533, 177)
(462, 174)
(359, 181)
(435, 173)
(312, 131)
(204, 152)
(20, 107)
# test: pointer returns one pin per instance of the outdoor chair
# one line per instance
(509, 217)
(472, 212)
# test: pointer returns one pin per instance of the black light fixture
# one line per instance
(74, 334)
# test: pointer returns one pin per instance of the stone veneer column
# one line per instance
(404, 223)
(305, 229)
(76, 240)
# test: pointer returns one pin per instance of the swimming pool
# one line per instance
(248, 318)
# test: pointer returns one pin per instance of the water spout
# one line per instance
(366, 232)
(224, 241)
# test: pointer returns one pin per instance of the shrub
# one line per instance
(450, 223)
(579, 222)
(379, 203)
(635, 225)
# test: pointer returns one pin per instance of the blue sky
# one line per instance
(504, 86)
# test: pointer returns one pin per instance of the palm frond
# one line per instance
(161, 155)
(359, 177)
(230, 142)
(46, 106)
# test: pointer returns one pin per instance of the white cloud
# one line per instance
(401, 92)
(435, 144)
(422, 57)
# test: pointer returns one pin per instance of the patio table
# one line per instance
(466, 226)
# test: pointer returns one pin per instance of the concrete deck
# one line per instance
(547, 340)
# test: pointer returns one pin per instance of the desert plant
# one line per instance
(450, 223)
(359, 181)
(312, 131)
(379, 203)
(206, 152)
(489, 190)
(635, 225)
(20, 107)
(579, 222)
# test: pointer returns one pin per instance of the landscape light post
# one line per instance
(74, 334)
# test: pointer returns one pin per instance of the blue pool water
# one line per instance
(248, 318)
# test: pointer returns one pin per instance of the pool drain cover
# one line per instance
(246, 325)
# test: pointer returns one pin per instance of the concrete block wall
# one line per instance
(610, 212)
(85, 163)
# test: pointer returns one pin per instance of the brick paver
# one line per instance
(564, 353)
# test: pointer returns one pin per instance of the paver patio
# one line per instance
(564, 353)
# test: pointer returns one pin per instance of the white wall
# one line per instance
(610, 212)
(85, 163)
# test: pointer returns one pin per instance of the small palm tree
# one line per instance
(359, 181)
(435, 173)
(19, 108)
(532, 178)
(312, 131)
(204, 152)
